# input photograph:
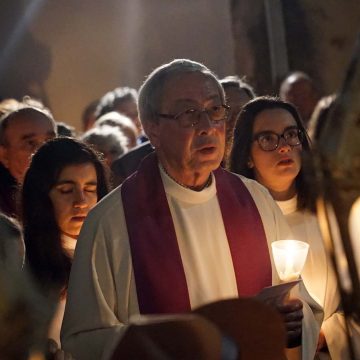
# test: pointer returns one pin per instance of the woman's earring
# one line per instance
(250, 164)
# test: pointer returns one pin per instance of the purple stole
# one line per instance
(159, 274)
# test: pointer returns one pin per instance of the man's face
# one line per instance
(301, 94)
(189, 151)
(23, 136)
(129, 108)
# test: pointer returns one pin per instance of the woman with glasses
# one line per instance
(269, 141)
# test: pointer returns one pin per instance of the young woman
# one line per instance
(65, 180)
(269, 141)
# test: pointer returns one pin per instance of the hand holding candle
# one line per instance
(289, 257)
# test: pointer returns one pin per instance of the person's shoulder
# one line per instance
(253, 186)
(105, 221)
(276, 227)
(108, 205)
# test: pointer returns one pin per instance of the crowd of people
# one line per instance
(205, 176)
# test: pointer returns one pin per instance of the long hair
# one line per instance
(45, 257)
(243, 138)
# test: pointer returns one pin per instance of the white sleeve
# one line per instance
(275, 225)
(95, 316)
(335, 334)
(277, 228)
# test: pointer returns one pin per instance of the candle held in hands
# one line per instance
(289, 257)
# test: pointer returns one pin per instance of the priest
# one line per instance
(179, 233)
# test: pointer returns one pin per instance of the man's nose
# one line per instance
(205, 121)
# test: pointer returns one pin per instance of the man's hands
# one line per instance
(292, 314)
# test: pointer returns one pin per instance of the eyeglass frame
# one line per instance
(213, 122)
(300, 136)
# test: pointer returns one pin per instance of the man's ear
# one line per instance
(4, 155)
(152, 130)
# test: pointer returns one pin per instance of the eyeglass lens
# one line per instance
(192, 117)
(269, 141)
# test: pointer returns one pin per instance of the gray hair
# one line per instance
(23, 110)
(122, 122)
(114, 118)
(107, 139)
(114, 98)
(151, 91)
(233, 81)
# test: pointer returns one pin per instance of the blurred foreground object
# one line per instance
(24, 314)
(24, 317)
(231, 329)
(337, 165)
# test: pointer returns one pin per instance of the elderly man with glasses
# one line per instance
(179, 233)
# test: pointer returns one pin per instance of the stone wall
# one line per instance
(70, 52)
(320, 37)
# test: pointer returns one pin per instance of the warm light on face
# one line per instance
(289, 257)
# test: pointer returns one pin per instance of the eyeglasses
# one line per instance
(191, 117)
(269, 141)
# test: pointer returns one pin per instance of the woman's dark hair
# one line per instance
(243, 139)
(45, 257)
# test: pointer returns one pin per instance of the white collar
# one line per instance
(187, 195)
(288, 206)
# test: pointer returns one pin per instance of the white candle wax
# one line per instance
(289, 257)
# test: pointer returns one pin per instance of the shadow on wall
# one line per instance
(25, 63)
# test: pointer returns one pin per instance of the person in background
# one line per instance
(122, 122)
(22, 131)
(129, 162)
(108, 140)
(299, 89)
(238, 92)
(64, 129)
(320, 113)
(124, 101)
(64, 181)
(24, 312)
(8, 105)
(12, 248)
(151, 245)
(269, 141)
(88, 115)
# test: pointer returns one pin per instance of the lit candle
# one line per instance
(289, 257)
